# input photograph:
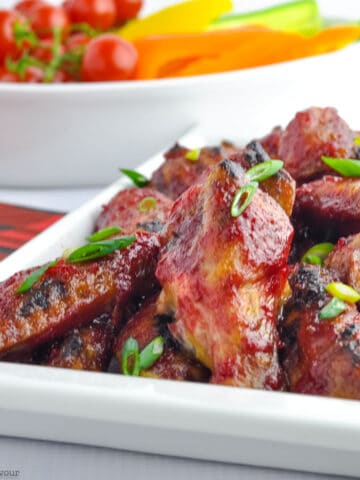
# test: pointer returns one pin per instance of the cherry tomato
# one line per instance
(62, 77)
(25, 7)
(109, 58)
(6, 76)
(98, 14)
(127, 9)
(7, 39)
(44, 18)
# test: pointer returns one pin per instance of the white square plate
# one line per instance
(183, 419)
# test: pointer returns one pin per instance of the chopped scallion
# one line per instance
(138, 179)
(104, 234)
(347, 167)
(264, 170)
(34, 277)
(243, 198)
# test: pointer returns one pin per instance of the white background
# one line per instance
(45, 461)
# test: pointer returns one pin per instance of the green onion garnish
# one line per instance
(264, 170)
(34, 277)
(332, 309)
(343, 292)
(347, 167)
(243, 198)
(103, 234)
(193, 155)
(99, 250)
(317, 254)
(138, 179)
(130, 351)
(140, 361)
(357, 141)
(147, 204)
(151, 353)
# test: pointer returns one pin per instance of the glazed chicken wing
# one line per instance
(223, 279)
(320, 357)
(330, 207)
(70, 295)
(311, 134)
(178, 173)
(345, 260)
(86, 348)
(136, 209)
(174, 363)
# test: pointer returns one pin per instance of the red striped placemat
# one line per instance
(20, 224)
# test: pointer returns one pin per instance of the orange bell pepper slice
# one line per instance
(221, 51)
(272, 47)
(158, 51)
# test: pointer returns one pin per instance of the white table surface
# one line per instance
(34, 460)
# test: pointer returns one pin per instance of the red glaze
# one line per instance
(224, 277)
(87, 348)
(330, 204)
(124, 210)
(311, 134)
(70, 295)
(177, 173)
(174, 364)
(345, 260)
(271, 142)
(321, 357)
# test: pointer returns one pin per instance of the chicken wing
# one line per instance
(330, 207)
(311, 134)
(223, 278)
(70, 295)
(320, 357)
(129, 210)
(174, 363)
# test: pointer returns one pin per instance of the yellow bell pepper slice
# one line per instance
(187, 17)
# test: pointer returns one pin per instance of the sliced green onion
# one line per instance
(357, 141)
(317, 254)
(193, 155)
(130, 351)
(343, 292)
(243, 198)
(347, 167)
(332, 309)
(147, 204)
(34, 277)
(264, 170)
(138, 179)
(99, 250)
(151, 353)
(103, 234)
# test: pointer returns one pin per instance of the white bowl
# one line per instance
(80, 134)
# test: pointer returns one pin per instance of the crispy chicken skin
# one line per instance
(85, 348)
(125, 211)
(178, 173)
(70, 295)
(311, 134)
(223, 277)
(174, 363)
(330, 207)
(320, 357)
